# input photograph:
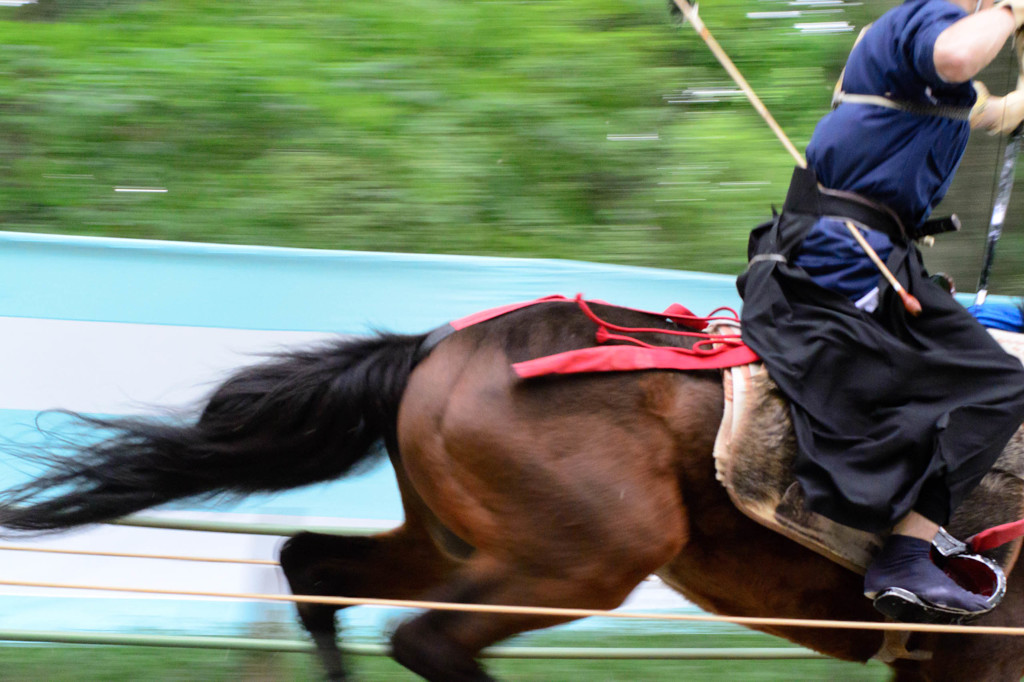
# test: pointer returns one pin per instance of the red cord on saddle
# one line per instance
(709, 351)
(707, 344)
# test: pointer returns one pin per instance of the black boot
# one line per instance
(905, 566)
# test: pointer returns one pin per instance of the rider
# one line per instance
(897, 416)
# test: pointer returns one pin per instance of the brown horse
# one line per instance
(558, 492)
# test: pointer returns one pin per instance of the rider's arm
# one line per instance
(967, 46)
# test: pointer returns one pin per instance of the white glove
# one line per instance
(978, 111)
(1016, 8)
(997, 115)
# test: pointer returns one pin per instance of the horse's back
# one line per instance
(554, 469)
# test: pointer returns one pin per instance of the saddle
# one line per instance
(754, 454)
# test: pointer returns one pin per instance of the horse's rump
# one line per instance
(604, 424)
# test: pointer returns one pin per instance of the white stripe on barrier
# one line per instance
(120, 368)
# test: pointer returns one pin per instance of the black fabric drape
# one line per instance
(892, 412)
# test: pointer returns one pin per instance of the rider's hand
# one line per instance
(1016, 7)
(1009, 112)
(997, 114)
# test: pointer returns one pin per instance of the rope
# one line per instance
(124, 555)
(909, 302)
(707, 343)
(690, 12)
(545, 611)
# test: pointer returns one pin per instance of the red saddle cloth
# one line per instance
(627, 354)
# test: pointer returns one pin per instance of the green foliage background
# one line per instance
(557, 128)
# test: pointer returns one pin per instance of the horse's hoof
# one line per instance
(428, 653)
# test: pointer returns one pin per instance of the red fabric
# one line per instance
(485, 315)
(631, 358)
(996, 536)
(675, 312)
(708, 352)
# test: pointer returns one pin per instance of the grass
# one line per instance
(145, 664)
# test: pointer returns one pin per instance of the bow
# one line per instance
(1003, 188)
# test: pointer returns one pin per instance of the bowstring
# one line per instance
(1010, 79)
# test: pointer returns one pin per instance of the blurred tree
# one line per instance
(595, 130)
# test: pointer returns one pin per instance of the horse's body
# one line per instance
(553, 492)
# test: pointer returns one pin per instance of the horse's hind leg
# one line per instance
(443, 645)
(400, 564)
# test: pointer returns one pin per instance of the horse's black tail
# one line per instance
(299, 418)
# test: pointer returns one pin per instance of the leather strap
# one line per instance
(806, 196)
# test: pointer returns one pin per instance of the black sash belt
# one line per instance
(808, 197)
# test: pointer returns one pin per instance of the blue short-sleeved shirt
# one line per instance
(905, 161)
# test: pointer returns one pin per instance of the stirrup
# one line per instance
(906, 607)
(972, 572)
